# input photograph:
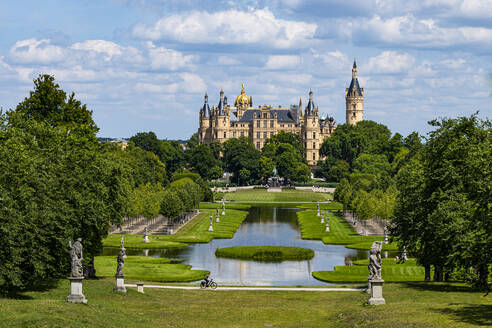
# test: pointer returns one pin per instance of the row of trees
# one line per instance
(443, 209)
(59, 183)
(365, 159)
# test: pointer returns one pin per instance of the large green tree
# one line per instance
(443, 212)
(55, 185)
(239, 154)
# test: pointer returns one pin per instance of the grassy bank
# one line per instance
(195, 231)
(262, 195)
(408, 305)
(341, 232)
(391, 272)
(146, 268)
(265, 253)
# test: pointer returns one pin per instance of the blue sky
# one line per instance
(144, 65)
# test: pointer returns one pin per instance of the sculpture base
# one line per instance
(376, 292)
(217, 219)
(140, 287)
(327, 228)
(146, 239)
(76, 295)
(223, 212)
(120, 285)
(210, 227)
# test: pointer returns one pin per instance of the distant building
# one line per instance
(224, 121)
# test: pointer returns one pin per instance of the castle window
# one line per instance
(265, 124)
(242, 133)
(314, 145)
(314, 156)
(354, 114)
(271, 124)
(234, 134)
(290, 125)
(258, 123)
(353, 107)
(314, 135)
(257, 145)
(281, 125)
(257, 135)
(265, 115)
(264, 135)
(225, 134)
(271, 134)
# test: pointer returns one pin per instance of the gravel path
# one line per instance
(283, 289)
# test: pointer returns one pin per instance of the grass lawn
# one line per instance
(265, 253)
(263, 196)
(148, 269)
(195, 231)
(408, 305)
(391, 272)
(341, 232)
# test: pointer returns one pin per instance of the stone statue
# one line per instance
(121, 260)
(146, 231)
(385, 234)
(76, 257)
(274, 171)
(375, 260)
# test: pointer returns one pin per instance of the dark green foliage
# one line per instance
(202, 161)
(55, 185)
(241, 154)
(171, 204)
(443, 213)
(169, 152)
(287, 138)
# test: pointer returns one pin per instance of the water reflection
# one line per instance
(275, 226)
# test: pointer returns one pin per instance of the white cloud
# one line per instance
(100, 46)
(33, 51)
(409, 31)
(161, 57)
(390, 62)
(283, 62)
(255, 26)
(334, 60)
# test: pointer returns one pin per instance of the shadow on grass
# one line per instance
(475, 314)
(40, 287)
(438, 287)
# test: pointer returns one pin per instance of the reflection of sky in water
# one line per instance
(263, 226)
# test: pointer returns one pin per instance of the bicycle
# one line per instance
(212, 284)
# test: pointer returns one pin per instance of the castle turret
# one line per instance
(354, 99)
(204, 132)
(311, 133)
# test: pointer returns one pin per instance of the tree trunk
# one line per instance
(437, 273)
(483, 274)
(427, 272)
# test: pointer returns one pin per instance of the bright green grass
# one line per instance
(147, 268)
(262, 195)
(426, 305)
(266, 253)
(341, 232)
(391, 272)
(195, 231)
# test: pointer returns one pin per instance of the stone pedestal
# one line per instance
(385, 239)
(146, 239)
(318, 214)
(223, 212)
(327, 229)
(120, 285)
(210, 227)
(217, 219)
(322, 220)
(376, 292)
(76, 295)
(368, 290)
(140, 287)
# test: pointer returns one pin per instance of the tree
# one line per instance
(171, 205)
(202, 160)
(146, 200)
(444, 207)
(372, 164)
(240, 153)
(340, 170)
(303, 173)
(48, 103)
(266, 167)
(287, 138)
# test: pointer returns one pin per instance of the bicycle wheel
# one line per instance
(213, 285)
(203, 285)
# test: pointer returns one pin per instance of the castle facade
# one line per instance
(224, 121)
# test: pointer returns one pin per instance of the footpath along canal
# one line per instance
(264, 226)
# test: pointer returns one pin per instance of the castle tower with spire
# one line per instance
(354, 99)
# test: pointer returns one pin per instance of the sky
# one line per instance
(144, 65)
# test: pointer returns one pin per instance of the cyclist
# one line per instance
(207, 279)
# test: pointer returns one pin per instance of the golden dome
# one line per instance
(242, 99)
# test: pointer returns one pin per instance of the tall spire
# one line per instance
(354, 70)
(310, 94)
(206, 108)
(206, 98)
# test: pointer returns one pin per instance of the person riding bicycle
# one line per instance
(207, 279)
